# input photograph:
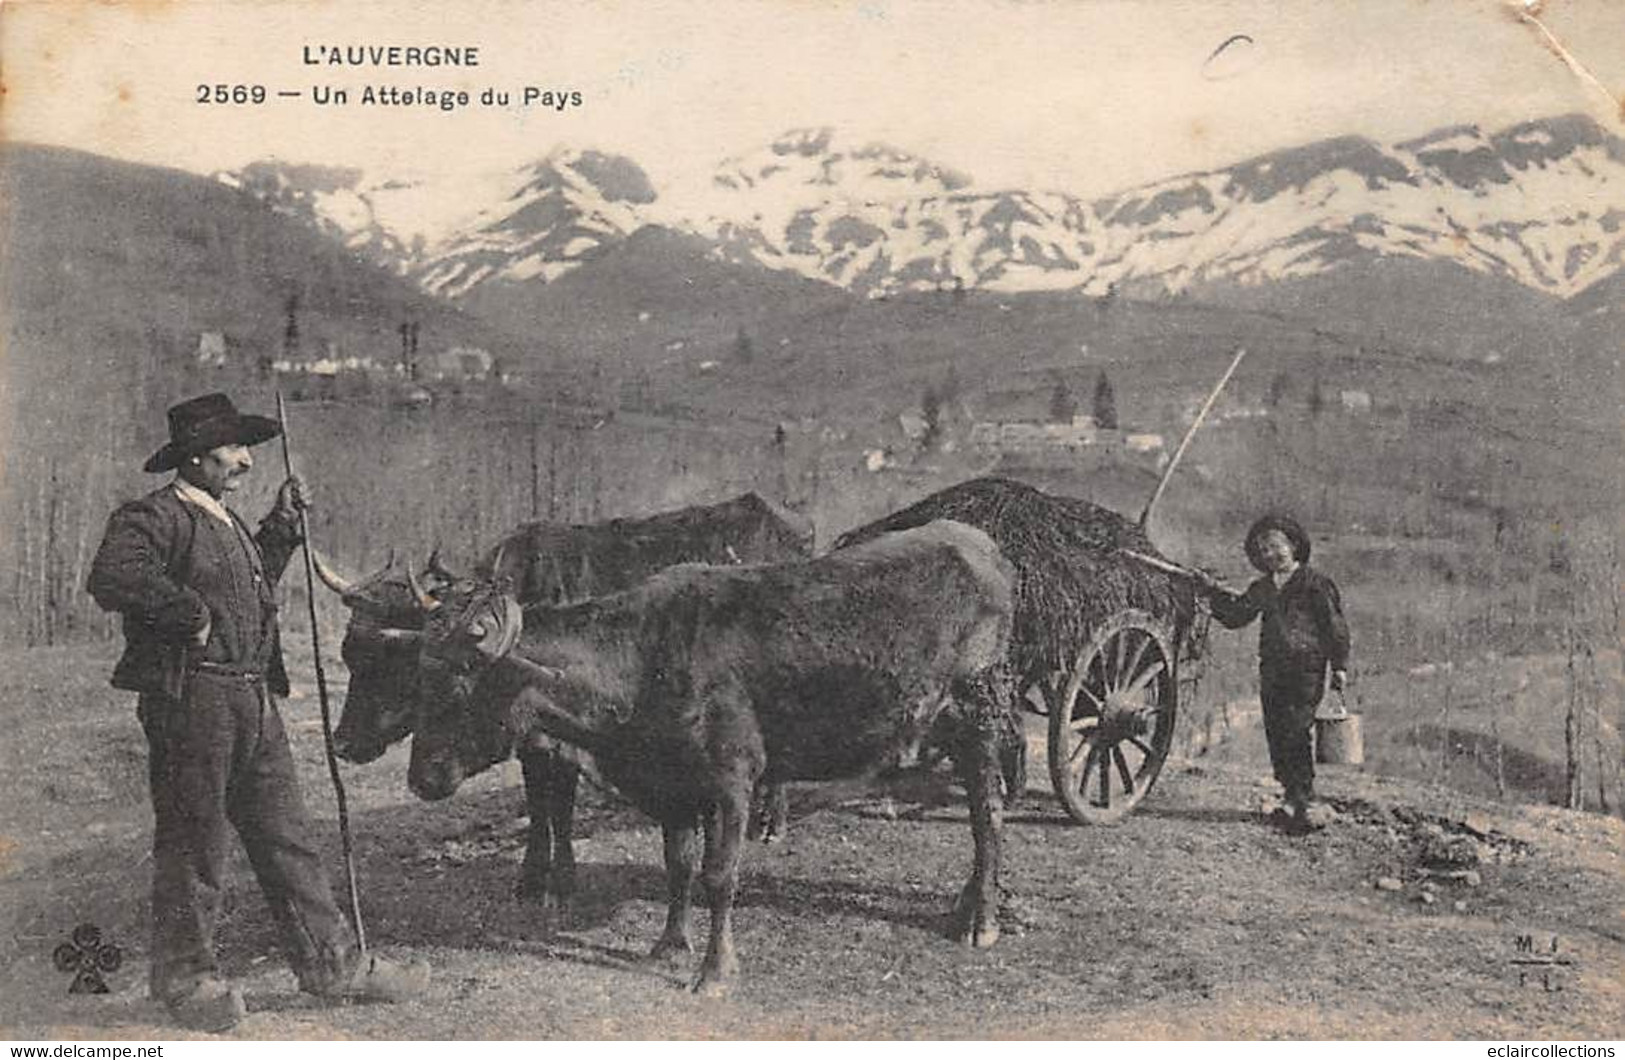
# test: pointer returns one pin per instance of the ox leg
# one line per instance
(682, 864)
(548, 874)
(769, 811)
(977, 912)
(1013, 758)
(725, 836)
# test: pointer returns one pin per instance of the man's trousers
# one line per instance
(219, 761)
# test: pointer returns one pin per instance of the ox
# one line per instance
(553, 563)
(691, 687)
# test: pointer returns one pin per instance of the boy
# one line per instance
(1302, 634)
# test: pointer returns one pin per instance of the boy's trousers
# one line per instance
(1289, 695)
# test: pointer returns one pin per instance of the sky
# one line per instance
(1082, 97)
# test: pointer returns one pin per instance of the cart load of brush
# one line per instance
(1099, 632)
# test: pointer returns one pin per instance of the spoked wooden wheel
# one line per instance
(1110, 731)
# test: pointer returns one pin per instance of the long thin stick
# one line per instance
(1161, 564)
(321, 693)
(1184, 443)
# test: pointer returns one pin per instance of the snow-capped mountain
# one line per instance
(1541, 204)
(807, 197)
(389, 220)
(335, 201)
(539, 220)
(566, 208)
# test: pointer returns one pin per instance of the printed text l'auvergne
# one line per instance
(392, 55)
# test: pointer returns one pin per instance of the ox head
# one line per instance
(464, 723)
(387, 613)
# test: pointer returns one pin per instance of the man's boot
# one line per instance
(211, 1006)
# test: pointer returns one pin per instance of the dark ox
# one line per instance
(691, 687)
(551, 563)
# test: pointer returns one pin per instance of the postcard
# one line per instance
(964, 519)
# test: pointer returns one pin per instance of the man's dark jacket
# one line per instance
(140, 571)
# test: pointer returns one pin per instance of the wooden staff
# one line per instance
(321, 693)
(1168, 472)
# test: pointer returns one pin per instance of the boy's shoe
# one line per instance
(1317, 815)
(1306, 815)
(377, 979)
(211, 1006)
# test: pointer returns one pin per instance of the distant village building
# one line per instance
(412, 396)
(1356, 400)
(1081, 431)
(459, 362)
(1143, 443)
(211, 349)
(1224, 411)
(912, 425)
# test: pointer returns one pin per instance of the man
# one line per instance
(197, 593)
(1302, 635)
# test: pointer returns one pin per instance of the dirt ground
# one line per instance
(1192, 919)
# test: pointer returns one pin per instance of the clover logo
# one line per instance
(86, 955)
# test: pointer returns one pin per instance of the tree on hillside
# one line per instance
(948, 389)
(931, 412)
(1105, 403)
(1062, 405)
(409, 349)
(1105, 302)
(290, 330)
(1280, 387)
(744, 351)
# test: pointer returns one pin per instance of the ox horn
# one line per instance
(546, 676)
(434, 566)
(329, 576)
(424, 600)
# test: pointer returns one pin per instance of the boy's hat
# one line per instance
(208, 422)
(1288, 526)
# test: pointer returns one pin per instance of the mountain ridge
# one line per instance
(1541, 202)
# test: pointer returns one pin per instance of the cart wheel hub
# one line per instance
(1123, 717)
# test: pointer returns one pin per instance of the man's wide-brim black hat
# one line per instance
(1288, 526)
(208, 422)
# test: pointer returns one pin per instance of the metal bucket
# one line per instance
(1338, 741)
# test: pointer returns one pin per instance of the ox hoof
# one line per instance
(671, 950)
(980, 937)
(975, 925)
(551, 911)
(545, 887)
(717, 979)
